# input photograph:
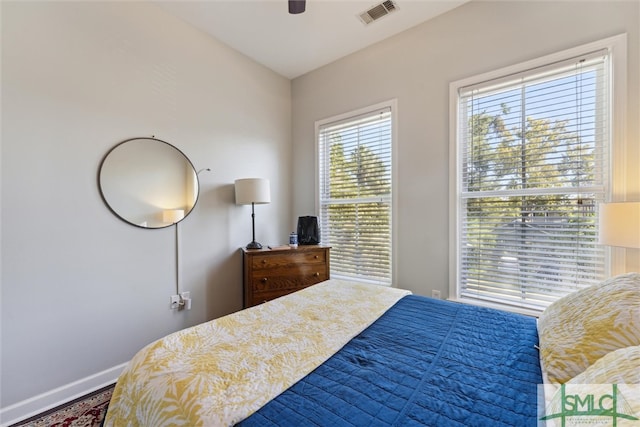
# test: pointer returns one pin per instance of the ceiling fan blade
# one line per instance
(296, 6)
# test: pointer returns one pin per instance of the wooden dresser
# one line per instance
(272, 273)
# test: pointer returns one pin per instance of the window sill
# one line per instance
(504, 307)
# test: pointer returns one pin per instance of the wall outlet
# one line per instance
(181, 301)
(175, 302)
(435, 294)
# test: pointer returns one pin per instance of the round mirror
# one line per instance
(148, 183)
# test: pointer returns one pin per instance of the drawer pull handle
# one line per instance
(264, 261)
(316, 257)
(316, 274)
(264, 280)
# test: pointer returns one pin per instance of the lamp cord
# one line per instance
(177, 260)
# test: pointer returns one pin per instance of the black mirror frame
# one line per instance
(104, 199)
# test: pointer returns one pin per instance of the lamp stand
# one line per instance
(253, 244)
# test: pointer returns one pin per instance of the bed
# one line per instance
(344, 353)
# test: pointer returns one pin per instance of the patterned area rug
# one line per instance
(87, 411)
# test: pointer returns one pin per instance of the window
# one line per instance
(355, 193)
(531, 156)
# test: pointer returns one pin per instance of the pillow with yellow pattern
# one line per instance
(618, 367)
(581, 327)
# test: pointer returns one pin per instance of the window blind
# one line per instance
(355, 195)
(533, 153)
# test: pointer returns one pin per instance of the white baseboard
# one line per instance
(56, 397)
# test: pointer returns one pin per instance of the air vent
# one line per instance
(378, 11)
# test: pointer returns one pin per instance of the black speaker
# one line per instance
(308, 232)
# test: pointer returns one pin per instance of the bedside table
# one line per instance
(272, 273)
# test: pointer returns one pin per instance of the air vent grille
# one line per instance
(378, 11)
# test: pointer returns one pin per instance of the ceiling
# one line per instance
(292, 45)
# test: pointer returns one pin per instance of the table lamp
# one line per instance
(253, 191)
(619, 224)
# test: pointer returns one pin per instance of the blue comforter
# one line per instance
(424, 362)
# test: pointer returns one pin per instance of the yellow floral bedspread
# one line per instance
(220, 372)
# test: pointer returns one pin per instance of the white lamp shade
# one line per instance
(252, 190)
(171, 216)
(619, 224)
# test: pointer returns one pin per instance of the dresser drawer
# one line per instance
(268, 288)
(287, 260)
(304, 275)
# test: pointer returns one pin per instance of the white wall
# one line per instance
(416, 67)
(82, 291)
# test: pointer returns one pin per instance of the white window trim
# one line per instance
(617, 45)
(393, 105)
